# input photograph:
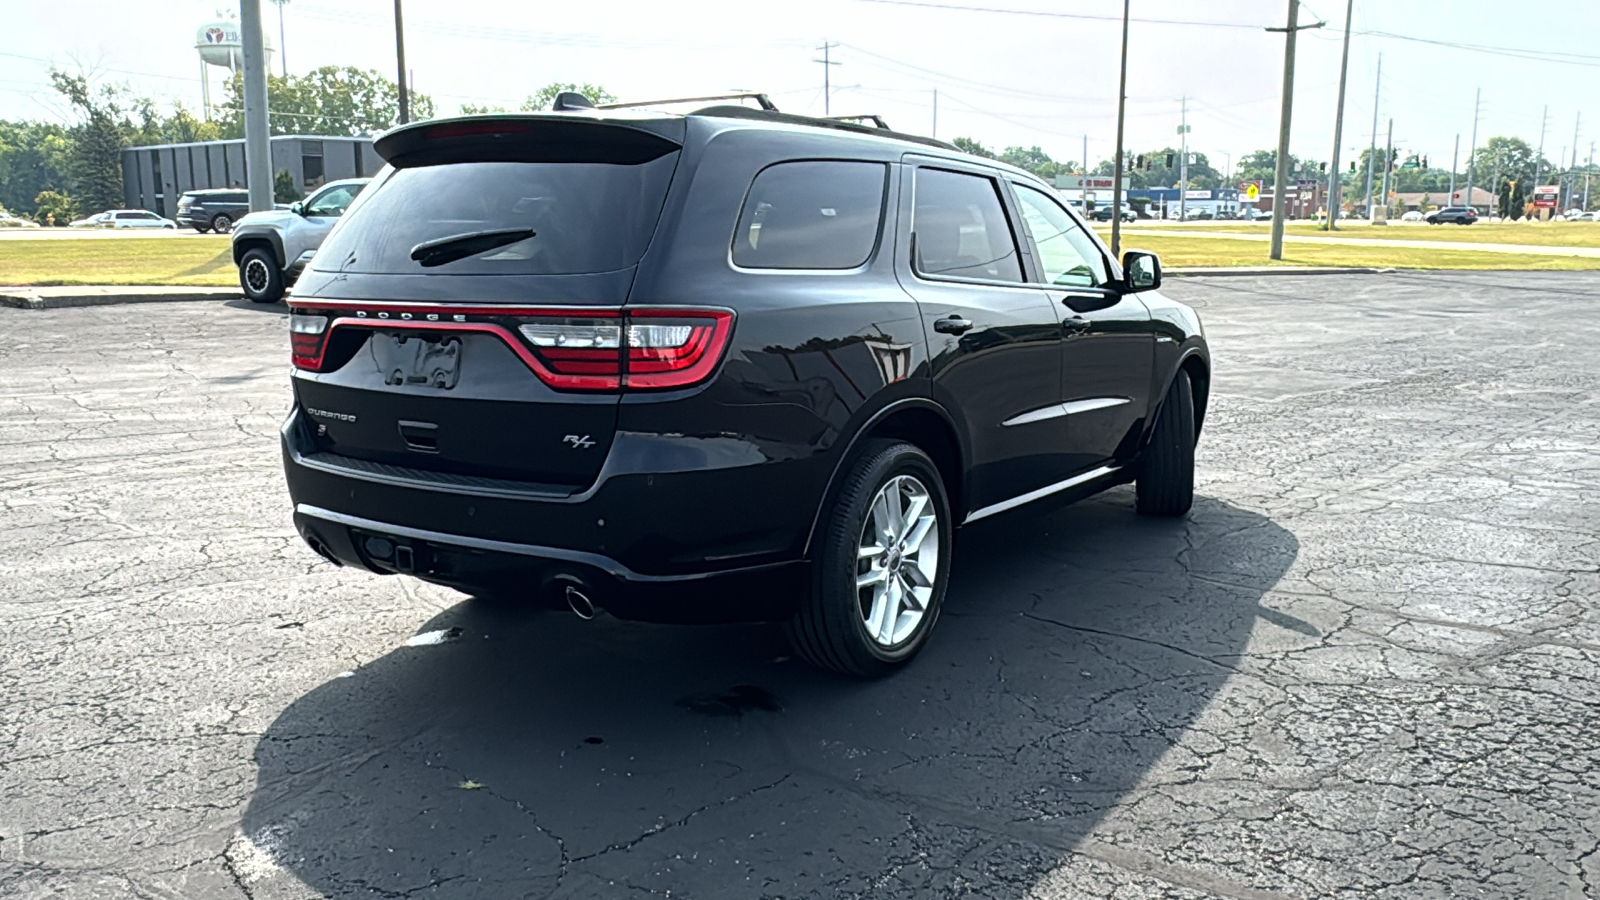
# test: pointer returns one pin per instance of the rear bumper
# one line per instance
(662, 546)
(757, 593)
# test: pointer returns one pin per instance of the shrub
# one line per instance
(53, 203)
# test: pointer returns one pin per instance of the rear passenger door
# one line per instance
(994, 340)
(1108, 345)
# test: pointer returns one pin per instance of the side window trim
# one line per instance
(915, 164)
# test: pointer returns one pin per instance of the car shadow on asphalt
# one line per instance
(528, 753)
(280, 308)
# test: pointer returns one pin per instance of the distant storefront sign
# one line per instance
(1089, 182)
(1547, 196)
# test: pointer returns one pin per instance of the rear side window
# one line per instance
(811, 215)
(585, 217)
(959, 228)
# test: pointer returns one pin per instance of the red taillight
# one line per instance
(307, 336)
(674, 348)
(659, 348)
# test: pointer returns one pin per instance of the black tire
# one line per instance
(222, 223)
(830, 630)
(1166, 474)
(260, 276)
(202, 228)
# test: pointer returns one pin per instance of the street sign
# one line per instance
(1253, 191)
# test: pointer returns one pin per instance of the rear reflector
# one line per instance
(653, 348)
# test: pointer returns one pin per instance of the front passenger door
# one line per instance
(1108, 346)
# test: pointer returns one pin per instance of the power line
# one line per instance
(1058, 15)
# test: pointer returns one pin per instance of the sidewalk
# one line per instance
(1525, 249)
(91, 295)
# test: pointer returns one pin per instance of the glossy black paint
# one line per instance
(727, 479)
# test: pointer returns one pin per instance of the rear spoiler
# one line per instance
(560, 137)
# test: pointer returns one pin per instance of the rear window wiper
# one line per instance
(443, 250)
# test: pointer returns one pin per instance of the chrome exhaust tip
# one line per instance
(580, 604)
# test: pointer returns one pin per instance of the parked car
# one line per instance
(7, 220)
(125, 218)
(213, 210)
(1573, 215)
(1411, 215)
(530, 363)
(1103, 214)
(272, 248)
(1250, 214)
(1452, 215)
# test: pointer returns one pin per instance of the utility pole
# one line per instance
(1116, 169)
(1538, 162)
(1338, 123)
(1472, 146)
(1388, 164)
(1281, 181)
(1183, 160)
(400, 59)
(827, 71)
(1588, 168)
(283, 55)
(1083, 183)
(1372, 150)
(257, 146)
(1574, 167)
(1455, 157)
(935, 134)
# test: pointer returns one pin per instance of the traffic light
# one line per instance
(1352, 165)
(1323, 168)
(1171, 158)
(1139, 163)
(1424, 162)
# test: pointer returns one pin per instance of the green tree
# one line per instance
(1035, 160)
(1155, 173)
(54, 206)
(541, 100)
(34, 157)
(970, 145)
(1511, 156)
(1262, 166)
(332, 100)
(283, 189)
(95, 171)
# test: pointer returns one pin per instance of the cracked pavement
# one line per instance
(1364, 667)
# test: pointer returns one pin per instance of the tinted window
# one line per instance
(586, 217)
(127, 215)
(811, 215)
(1067, 256)
(311, 162)
(959, 228)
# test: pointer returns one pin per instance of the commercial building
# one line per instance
(1162, 203)
(1094, 190)
(1482, 200)
(154, 177)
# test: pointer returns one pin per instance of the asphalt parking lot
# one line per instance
(1365, 667)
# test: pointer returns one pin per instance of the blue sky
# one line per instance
(1002, 78)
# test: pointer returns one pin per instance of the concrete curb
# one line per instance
(1241, 271)
(63, 297)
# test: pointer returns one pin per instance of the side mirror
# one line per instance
(298, 208)
(1141, 271)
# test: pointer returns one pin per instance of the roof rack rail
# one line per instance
(874, 118)
(841, 123)
(762, 99)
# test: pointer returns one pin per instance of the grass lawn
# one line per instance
(201, 261)
(1178, 250)
(1540, 234)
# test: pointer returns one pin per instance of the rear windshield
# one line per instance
(585, 217)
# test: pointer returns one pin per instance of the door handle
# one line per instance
(953, 325)
(1072, 326)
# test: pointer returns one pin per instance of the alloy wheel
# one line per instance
(897, 563)
(256, 275)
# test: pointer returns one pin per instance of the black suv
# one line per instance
(1457, 215)
(213, 210)
(730, 365)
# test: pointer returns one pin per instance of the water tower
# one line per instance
(220, 43)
